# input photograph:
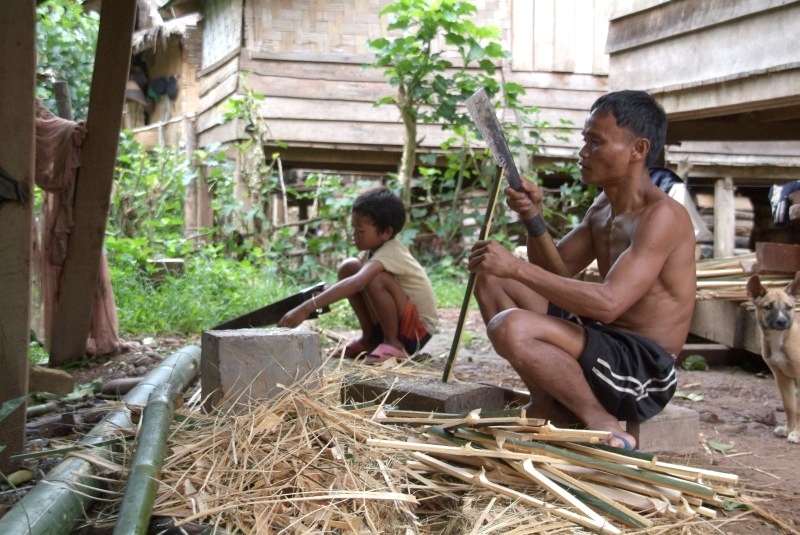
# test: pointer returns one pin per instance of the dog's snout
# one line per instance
(779, 321)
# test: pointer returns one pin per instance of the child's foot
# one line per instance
(356, 347)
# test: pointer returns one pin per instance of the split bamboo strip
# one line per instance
(481, 480)
(527, 469)
(585, 460)
(612, 499)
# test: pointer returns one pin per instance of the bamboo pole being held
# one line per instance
(142, 482)
(59, 501)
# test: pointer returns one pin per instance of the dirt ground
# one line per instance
(738, 410)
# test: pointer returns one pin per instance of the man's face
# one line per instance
(607, 150)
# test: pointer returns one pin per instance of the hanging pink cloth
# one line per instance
(58, 150)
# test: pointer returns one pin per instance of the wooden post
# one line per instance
(724, 218)
(92, 196)
(17, 88)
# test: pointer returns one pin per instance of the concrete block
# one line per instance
(675, 429)
(241, 365)
(424, 394)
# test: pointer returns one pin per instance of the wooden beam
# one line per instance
(712, 130)
(95, 178)
(17, 88)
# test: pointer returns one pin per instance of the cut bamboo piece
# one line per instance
(481, 480)
(617, 501)
(526, 468)
(142, 481)
(584, 460)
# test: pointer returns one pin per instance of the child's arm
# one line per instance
(344, 288)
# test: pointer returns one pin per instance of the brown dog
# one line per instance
(780, 344)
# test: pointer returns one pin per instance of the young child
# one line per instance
(387, 287)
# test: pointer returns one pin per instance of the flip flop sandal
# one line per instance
(628, 446)
(384, 352)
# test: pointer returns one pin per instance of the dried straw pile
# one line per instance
(303, 463)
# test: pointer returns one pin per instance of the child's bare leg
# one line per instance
(358, 301)
(389, 301)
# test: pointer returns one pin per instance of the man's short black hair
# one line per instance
(639, 112)
(383, 207)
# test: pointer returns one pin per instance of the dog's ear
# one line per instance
(754, 288)
(794, 287)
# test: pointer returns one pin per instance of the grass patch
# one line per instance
(213, 290)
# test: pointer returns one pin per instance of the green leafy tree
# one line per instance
(417, 61)
(66, 40)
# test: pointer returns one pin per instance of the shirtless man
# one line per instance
(617, 363)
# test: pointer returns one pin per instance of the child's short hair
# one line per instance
(383, 207)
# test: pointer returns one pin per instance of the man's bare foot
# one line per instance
(621, 439)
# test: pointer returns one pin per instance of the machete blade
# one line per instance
(485, 118)
(271, 314)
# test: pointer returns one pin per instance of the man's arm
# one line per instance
(631, 276)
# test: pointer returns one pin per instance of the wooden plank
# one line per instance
(522, 35)
(677, 18)
(727, 323)
(777, 257)
(602, 9)
(212, 79)
(308, 69)
(565, 36)
(17, 61)
(338, 90)
(763, 41)
(95, 178)
(583, 46)
(219, 93)
(543, 34)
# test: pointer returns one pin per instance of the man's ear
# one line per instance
(641, 148)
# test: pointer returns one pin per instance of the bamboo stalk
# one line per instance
(58, 502)
(142, 483)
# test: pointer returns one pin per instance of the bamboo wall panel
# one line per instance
(307, 57)
(222, 29)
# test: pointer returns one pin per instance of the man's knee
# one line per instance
(505, 328)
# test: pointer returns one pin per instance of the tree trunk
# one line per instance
(408, 159)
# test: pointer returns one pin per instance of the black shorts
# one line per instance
(632, 376)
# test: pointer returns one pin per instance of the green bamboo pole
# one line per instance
(142, 482)
(59, 501)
